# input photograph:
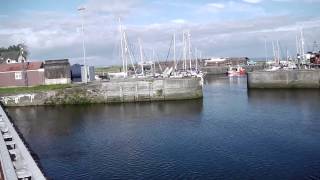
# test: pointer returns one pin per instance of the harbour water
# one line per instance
(232, 133)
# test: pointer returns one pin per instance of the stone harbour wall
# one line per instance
(284, 79)
(218, 70)
(115, 91)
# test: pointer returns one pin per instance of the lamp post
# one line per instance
(82, 9)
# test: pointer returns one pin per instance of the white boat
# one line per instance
(214, 60)
(274, 68)
(118, 75)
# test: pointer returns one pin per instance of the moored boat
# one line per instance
(236, 71)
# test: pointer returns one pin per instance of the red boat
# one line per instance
(236, 71)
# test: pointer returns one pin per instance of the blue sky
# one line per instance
(218, 28)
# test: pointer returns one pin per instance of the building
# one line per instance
(57, 72)
(90, 74)
(21, 74)
(78, 73)
(9, 57)
(227, 61)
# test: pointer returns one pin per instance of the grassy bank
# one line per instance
(41, 88)
(111, 69)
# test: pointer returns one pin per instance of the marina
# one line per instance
(155, 89)
(261, 134)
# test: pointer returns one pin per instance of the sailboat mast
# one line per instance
(126, 52)
(302, 44)
(189, 50)
(184, 51)
(121, 45)
(265, 48)
(278, 52)
(141, 56)
(196, 57)
(274, 52)
(153, 61)
(174, 52)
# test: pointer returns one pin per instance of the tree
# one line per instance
(19, 47)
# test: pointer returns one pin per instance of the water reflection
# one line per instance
(232, 133)
(60, 120)
(259, 96)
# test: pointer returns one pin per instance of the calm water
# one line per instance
(230, 134)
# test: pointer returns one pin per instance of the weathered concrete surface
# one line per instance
(284, 79)
(258, 67)
(5, 160)
(218, 70)
(215, 70)
(128, 90)
(24, 161)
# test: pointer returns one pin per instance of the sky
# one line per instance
(232, 28)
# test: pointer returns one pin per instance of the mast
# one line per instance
(196, 57)
(122, 45)
(141, 56)
(265, 48)
(274, 52)
(126, 51)
(297, 45)
(184, 51)
(189, 50)
(302, 44)
(82, 9)
(174, 52)
(278, 52)
(153, 65)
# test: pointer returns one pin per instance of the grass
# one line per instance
(41, 88)
(111, 69)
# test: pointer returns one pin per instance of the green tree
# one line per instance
(19, 47)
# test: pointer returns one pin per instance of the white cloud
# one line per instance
(114, 7)
(216, 5)
(253, 1)
(179, 21)
(52, 35)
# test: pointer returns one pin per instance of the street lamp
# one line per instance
(82, 9)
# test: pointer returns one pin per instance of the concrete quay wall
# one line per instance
(16, 160)
(284, 79)
(218, 70)
(115, 91)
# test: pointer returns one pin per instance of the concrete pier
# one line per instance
(114, 91)
(16, 160)
(284, 79)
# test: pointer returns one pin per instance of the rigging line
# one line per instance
(169, 51)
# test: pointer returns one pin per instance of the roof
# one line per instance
(21, 66)
(53, 62)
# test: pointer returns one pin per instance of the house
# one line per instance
(9, 57)
(57, 72)
(21, 74)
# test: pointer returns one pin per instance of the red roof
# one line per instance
(21, 66)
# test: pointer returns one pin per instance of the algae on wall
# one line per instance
(112, 91)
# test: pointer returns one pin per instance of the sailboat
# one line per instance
(125, 55)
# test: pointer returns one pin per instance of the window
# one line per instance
(18, 75)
